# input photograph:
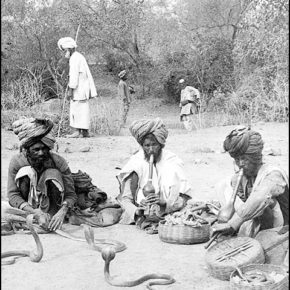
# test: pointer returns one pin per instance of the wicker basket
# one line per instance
(183, 234)
(267, 269)
(222, 269)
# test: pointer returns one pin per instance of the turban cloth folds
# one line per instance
(32, 130)
(243, 140)
(122, 74)
(66, 42)
(139, 129)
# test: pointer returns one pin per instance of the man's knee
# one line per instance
(53, 178)
(24, 187)
(134, 179)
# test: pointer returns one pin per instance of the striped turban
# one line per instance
(243, 140)
(140, 129)
(122, 74)
(32, 130)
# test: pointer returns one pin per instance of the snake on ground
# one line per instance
(109, 253)
(107, 247)
(34, 256)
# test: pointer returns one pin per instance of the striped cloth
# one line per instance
(33, 130)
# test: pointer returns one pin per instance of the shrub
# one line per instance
(106, 116)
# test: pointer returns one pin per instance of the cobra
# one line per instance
(34, 256)
(107, 247)
(108, 254)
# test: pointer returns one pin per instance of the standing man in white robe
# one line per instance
(81, 88)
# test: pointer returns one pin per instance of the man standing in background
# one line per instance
(81, 88)
(189, 104)
(123, 94)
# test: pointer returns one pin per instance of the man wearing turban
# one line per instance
(39, 181)
(263, 193)
(123, 94)
(189, 104)
(171, 187)
(81, 88)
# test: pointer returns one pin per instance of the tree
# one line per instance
(261, 57)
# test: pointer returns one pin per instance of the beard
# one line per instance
(37, 162)
(252, 170)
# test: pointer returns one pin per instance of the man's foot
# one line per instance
(85, 133)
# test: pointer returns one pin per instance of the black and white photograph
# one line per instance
(144, 144)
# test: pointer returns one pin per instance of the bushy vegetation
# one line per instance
(234, 51)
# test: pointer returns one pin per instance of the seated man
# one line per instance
(172, 189)
(263, 193)
(40, 181)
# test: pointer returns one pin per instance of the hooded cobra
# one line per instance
(109, 253)
(34, 256)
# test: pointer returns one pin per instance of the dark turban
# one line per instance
(32, 130)
(140, 129)
(243, 140)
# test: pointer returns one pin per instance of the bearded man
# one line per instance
(263, 193)
(40, 181)
(172, 189)
(81, 88)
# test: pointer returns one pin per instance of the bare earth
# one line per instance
(68, 264)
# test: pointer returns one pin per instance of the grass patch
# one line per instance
(106, 116)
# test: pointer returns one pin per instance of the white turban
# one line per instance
(66, 42)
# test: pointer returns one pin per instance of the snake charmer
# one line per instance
(40, 181)
(263, 194)
(172, 189)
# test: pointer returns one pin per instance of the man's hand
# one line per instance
(154, 199)
(223, 228)
(42, 218)
(143, 203)
(57, 220)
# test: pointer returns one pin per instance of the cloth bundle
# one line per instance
(93, 207)
(33, 130)
(89, 195)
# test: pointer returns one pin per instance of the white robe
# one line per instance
(168, 179)
(82, 83)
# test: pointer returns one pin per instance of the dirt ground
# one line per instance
(68, 264)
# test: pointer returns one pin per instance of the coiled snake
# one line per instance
(34, 256)
(109, 253)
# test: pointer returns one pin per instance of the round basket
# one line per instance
(223, 258)
(183, 234)
(265, 268)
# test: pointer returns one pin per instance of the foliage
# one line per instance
(261, 58)
(210, 68)
(234, 51)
